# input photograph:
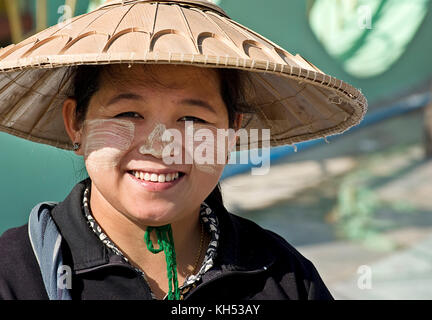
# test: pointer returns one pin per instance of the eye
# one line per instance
(194, 119)
(129, 114)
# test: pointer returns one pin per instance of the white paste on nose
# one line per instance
(154, 136)
(199, 151)
(106, 141)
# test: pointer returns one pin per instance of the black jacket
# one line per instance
(252, 263)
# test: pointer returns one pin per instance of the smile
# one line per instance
(154, 177)
(156, 182)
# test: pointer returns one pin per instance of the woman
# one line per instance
(149, 222)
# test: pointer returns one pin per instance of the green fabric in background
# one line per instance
(367, 36)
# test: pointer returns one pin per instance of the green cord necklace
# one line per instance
(165, 241)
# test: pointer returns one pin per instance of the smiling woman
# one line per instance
(122, 88)
(140, 226)
(120, 128)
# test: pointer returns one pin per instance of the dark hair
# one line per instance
(87, 83)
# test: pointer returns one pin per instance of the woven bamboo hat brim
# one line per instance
(290, 96)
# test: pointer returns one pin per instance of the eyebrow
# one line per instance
(124, 96)
(198, 103)
(136, 97)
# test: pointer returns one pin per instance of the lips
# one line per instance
(158, 184)
(156, 177)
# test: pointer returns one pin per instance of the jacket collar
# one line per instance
(240, 247)
(87, 250)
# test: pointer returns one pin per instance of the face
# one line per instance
(155, 122)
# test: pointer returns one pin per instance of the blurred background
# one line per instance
(358, 205)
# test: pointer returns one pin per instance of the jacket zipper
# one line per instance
(122, 265)
(106, 265)
(226, 274)
(197, 288)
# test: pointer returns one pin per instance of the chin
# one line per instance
(155, 216)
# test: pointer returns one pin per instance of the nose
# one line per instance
(154, 144)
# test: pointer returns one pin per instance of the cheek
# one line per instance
(106, 141)
(203, 181)
(210, 148)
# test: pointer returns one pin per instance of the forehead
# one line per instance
(147, 86)
(160, 77)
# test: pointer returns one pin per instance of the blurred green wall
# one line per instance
(32, 173)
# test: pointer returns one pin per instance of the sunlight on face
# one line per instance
(123, 134)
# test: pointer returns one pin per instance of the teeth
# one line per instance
(147, 176)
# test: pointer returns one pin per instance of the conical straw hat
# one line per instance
(292, 97)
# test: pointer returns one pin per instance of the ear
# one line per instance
(72, 128)
(237, 124)
(238, 121)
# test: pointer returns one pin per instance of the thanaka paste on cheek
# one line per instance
(208, 149)
(106, 141)
(204, 151)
